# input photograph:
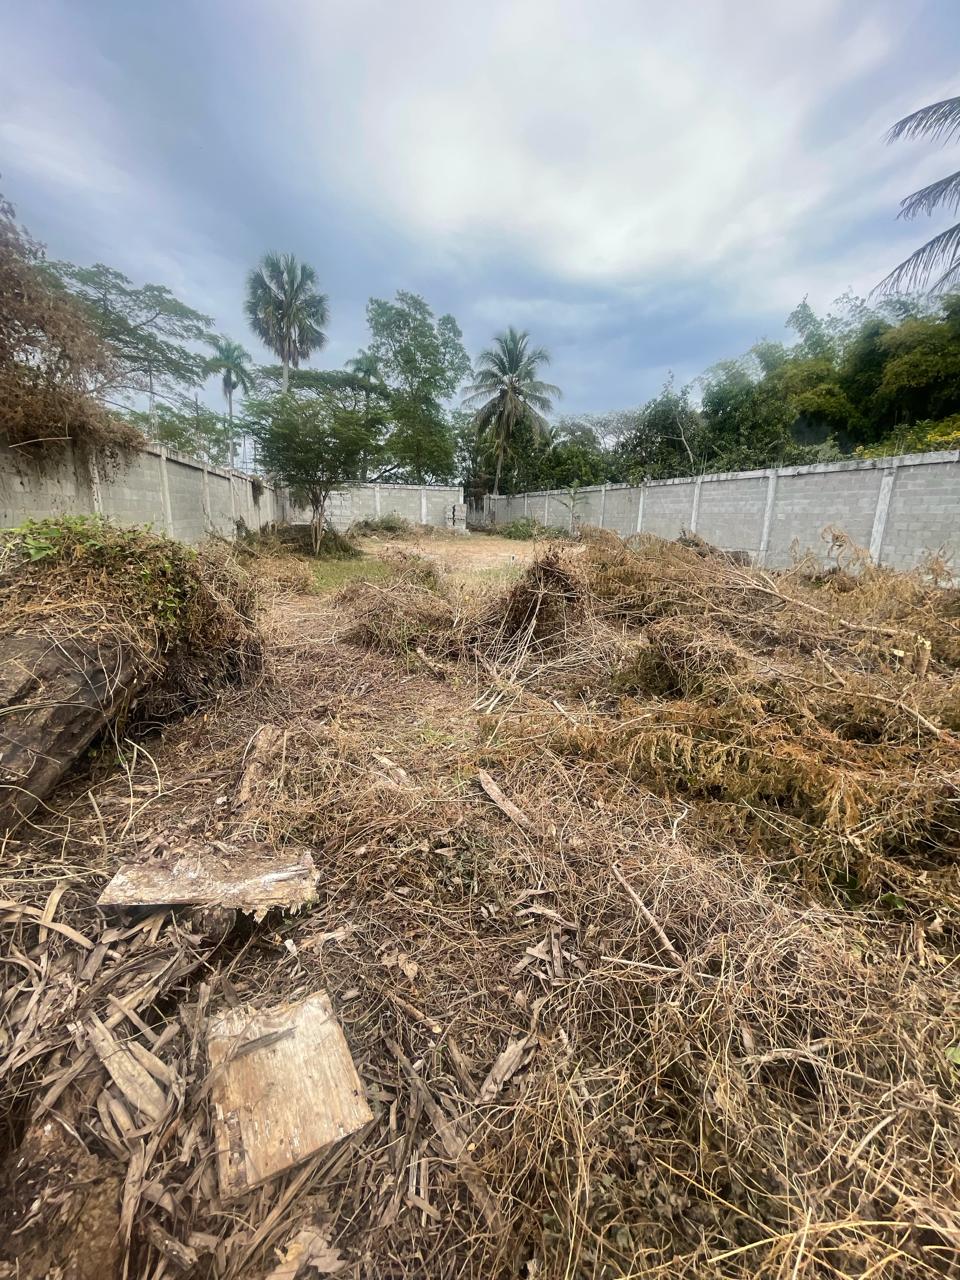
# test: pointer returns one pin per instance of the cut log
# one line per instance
(56, 695)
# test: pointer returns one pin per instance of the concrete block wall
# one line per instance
(186, 499)
(172, 493)
(900, 509)
(441, 505)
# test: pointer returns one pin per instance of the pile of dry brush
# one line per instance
(98, 622)
(741, 795)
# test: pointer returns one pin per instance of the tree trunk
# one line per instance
(233, 443)
(316, 525)
(55, 696)
(496, 478)
(285, 385)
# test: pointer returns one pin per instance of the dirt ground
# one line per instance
(466, 555)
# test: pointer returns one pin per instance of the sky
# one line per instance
(645, 186)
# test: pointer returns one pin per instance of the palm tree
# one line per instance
(508, 393)
(230, 360)
(939, 257)
(286, 310)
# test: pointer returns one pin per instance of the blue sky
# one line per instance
(645, 186)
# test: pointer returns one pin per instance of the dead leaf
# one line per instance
(505, 1066)
(308, 1248)
(394, 959)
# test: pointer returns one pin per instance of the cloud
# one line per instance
(643, 185)
(604, 143)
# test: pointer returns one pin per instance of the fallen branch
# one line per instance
(650, 919)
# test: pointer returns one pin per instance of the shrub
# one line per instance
(526, 528)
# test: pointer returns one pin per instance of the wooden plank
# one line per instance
(283, 1087)
(253, 879)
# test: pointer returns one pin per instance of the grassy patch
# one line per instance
(331, 575)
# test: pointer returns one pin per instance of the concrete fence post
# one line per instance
(546, 507)
(883, 507)
(526, 503)
(603, 503)
(165, 503)
(764, 547)
(96, 491)
(695, 509)
(642, 490)
(205, 499)
(376, 501)
(423, 504)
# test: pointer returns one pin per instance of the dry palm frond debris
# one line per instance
(695, 1015)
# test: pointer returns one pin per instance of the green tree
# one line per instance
(421, 359)
(189, 428)
(663, 438)
(232, 362)
(938, 261)
(152, 334)
(286, 310)
(508, 394)
(313, 441)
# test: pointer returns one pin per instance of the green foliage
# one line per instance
(420, 361)
(390, 524)
(921, 437)
(313, 442)
(875, 380)
(508, 396)
(525, 528)
(151, 334)
(286, 310)
(188, 428)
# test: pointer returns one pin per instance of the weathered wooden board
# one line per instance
(283, 1087)
(252, 878)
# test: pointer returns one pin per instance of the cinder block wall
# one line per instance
(900, 509)
(186, 499)
(420, 504)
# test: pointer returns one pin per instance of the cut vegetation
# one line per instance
(636, 917)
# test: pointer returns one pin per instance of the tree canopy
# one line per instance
(54, 364)
(286, 309)
(155, 340)
(421, 361)
(508, 395)
(936, 263)
(314, 440)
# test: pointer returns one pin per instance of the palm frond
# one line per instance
(941, 254)
(940, 120)
(946, 191)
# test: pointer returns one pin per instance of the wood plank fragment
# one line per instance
(253, 879)
(283, 1085)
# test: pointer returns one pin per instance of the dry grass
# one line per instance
(716, 1072)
